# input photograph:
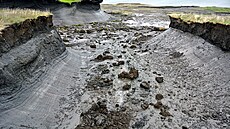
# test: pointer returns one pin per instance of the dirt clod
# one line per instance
(159, 97)
(103, 57)
(159, 79)
(98, 117)
(132, 74)
(93, 46)
(145, 85)
(126, 87)
(144, 106)
(165, 113)
(158, 105)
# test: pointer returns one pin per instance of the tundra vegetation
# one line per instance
(69, 1)
(202, 18)
(11, 16)
(217, 9)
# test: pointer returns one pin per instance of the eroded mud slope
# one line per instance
(121, 74)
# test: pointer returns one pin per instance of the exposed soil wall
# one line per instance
(26, 49)
(217, 34)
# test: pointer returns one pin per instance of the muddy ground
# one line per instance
(130, 72)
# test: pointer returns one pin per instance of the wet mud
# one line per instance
(130, 73)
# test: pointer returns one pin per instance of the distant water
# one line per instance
(202, 3)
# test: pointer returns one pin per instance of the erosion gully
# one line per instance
(131, 72)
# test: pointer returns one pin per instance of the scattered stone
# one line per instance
(123, 52)
(159, 79)
(176, 54)
(115, 64)
(89, 31)
(132, 74)
(164, 113)
(81, 31)
(184, 127)
(119, 56)
(93, 46)
(158, 105)
(125, 46)
(145, 85)
(106, 52)
(145, 50)
(99, 117)
(65, 40)
(96, 82)
(126, 87)
(121, 62)
(159, 97)
(106, 71)
(103, 58)
(133, 46)
(144, 106)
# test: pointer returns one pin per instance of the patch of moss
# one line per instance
(217, 9)
(69, 1)
(201, 18)
(11, 16)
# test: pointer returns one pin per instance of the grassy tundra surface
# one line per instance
(69, 1)
(202, 18)
(11, 16)
(217, 9)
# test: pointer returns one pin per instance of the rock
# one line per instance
(119, 56)
(126, 87)
(184, 127)
(103, 58)
(159, 97)
(164, 113)
(133, 46)
(124, 75)
(159, 79)
(118, 63)
(123, 52)
(115, 64)
(176, 54)
(144, 106)
(121, 62)
(93, 46)
(145, 85)
(158, 105)
(106, 52)
(132, 74)
(65, 40)
(106, 71)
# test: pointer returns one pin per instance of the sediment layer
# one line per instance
(26, 49)
(214, 33)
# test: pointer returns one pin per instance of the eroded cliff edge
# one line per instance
(26, 51)
(214, 33)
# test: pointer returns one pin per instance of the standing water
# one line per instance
(202, 3)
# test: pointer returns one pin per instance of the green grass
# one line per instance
(11, 16)
(69, 1)
(217, 9)
(201, 18)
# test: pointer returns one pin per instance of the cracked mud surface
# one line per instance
(121, 75)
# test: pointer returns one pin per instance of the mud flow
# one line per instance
(131, 71)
